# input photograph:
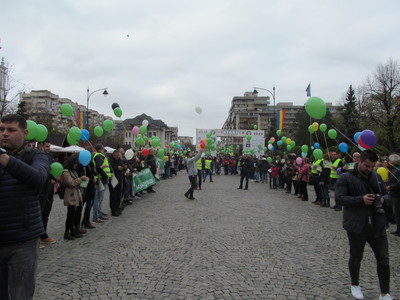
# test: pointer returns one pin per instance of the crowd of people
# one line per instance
(27, 191)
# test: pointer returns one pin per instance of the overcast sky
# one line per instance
(166, 57)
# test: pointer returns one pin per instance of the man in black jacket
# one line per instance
(20, 215)
(246, 163)
(361, 193)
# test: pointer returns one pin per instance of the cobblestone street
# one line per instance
(226, 244)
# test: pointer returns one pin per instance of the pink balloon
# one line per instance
(135, 130)
(299, 160)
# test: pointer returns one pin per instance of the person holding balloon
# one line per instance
(73, 197)
(192, 172)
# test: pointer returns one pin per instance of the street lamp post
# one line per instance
(255, 92)
(88, 94)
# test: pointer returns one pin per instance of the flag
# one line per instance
(280, 119)
(308, 90)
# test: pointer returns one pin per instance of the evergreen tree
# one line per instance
(350, 113)
(22, 110)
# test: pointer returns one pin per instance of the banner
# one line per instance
(280, 118)
(143, 180)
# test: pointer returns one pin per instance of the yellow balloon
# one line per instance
(165, 158)
(383, 172)
(315, 126)
(288, 141)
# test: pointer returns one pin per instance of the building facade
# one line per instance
(43, 107)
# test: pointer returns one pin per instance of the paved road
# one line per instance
(227, 244)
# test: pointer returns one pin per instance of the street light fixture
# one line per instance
(88, 94)
(255, 92)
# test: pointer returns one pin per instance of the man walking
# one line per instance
(192, 173)
(361, 192)
(20, 216)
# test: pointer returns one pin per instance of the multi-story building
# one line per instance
(250, 110)
(154, 128)
(44, 107)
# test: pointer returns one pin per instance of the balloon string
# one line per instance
(326, 145)
(393, 174)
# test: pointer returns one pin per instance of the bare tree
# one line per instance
(380, 102)
(9, 90)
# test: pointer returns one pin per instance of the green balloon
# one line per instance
(265, 149)
(269, 159)
(323, 127)
(284, 139)
(160, 153)
(288, 147)
(108, 125)
(41, 133)
(332, 134)
(32, 127)
(316, 108)
(311, 129)
(278, 133)
(118, 112)
(304, 149)
(75, 133)
(71, 140)
(98, 131)
(208, 134)
(318, 154)
(249, 137)
(56, 169)
(66, 109)
(139, 141)
(143, 130)
(255, 127)
(292, 144)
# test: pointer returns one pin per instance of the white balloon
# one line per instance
(145, 123)
(270, 146)
(198, 109)
(129, 154)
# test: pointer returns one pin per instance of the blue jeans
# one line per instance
(264, 176)
(18, 267)
(98, 200)
(128, 188)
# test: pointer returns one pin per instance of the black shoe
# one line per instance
(192, 198)
(77, 235)
(88, 225)
(338, 209)
(334, 207)
(186, 195)
(239, 188)
(246, 188)
(115, 214)
(68, 236)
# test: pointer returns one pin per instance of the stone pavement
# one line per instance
(226, 244)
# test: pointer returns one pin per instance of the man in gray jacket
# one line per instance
(361, 193)
(192, 172)
(23, 174)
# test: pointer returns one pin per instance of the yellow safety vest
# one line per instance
(334, 174)
(199, 164)
(107, 169)
(315, 165)
(208, 164)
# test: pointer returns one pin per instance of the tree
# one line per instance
(380, 103)
(22, 110)
(350, 113)
(9, 90)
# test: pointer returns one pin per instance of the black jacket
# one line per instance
(20, 186)
(349, 191)
(394, 183)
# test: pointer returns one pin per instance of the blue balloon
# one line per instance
(343, 147)
(316, 145)
(339, 171)
(303, 154)
(84, 135)
(356, 135)
(85, 157)
(272, 148)
(279, 143)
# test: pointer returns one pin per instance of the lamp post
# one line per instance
(88, 94)
(255, 92)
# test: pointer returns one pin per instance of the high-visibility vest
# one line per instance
(334, 174)
(208, 164)
(315, 165)
(107, 169)
(199, 164)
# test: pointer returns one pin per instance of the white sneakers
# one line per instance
(356, 292)
(386, 297)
